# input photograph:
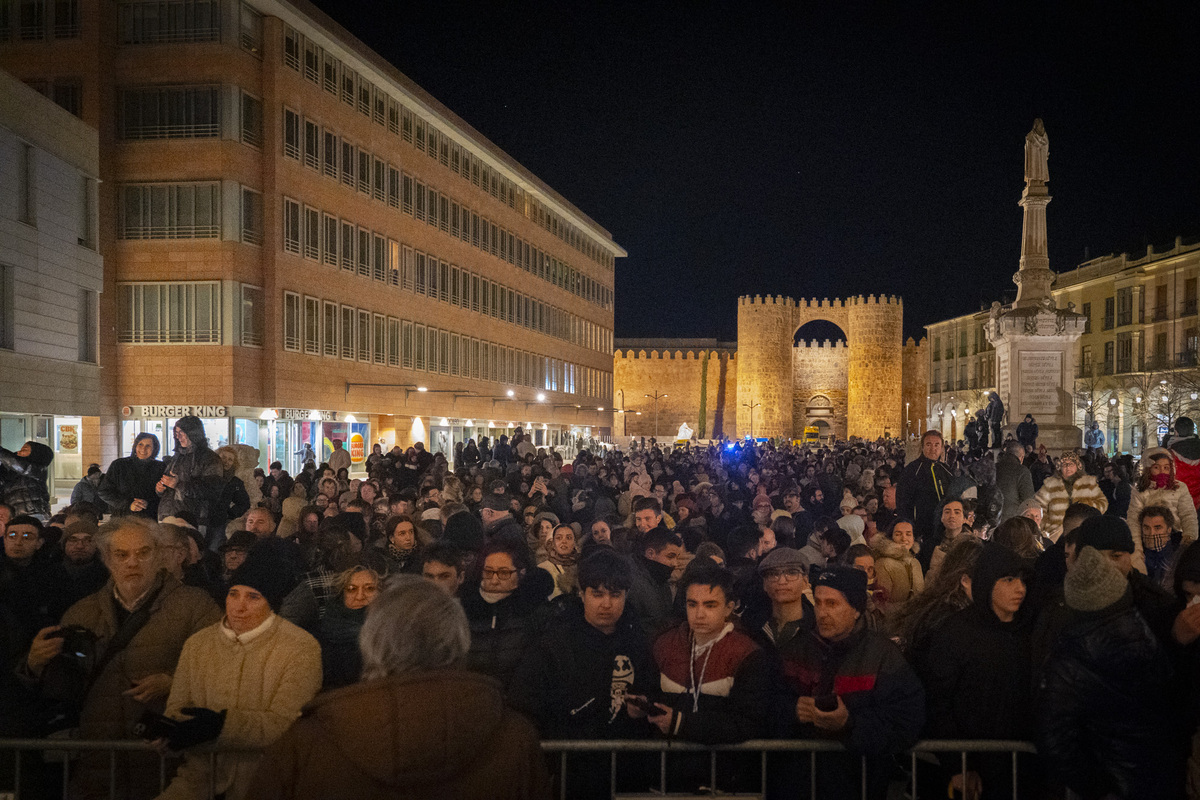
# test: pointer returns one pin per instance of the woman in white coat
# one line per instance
(1157, 486)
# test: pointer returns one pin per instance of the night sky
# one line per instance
(822, 149)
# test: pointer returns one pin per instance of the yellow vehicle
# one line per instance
(812, 435)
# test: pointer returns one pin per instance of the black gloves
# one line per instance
(204, 726)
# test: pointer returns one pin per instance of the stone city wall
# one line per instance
(691, 379)
(765, 331)
(866, 381)
(875, 333)
(916, 384)
(820, 381)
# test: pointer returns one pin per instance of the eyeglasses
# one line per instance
(788, 574)
(25, 536)
(502, 574)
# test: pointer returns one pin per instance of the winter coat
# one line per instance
(898, 573)
(232, 501)
(650, 597)
(1119, 496)
(1093, 438)
(572, 682)
(1108, 709)
(23, 481)
(1015, 483)
(177, 611)
(201, 481)
(88, 492)
(340, 459)
(501, 632)
(976, 669)
(1186, 453)
(445, 734)
(262, 684)
(1027, 433)
(1179, 500)
(736, 686)
(881, 692)
(922, 487)
(337, 633)
(994, 412)
(1055, 496)
(130, 479)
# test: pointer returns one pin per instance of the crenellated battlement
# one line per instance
(838, 345)
(665, 354)
(813, 304)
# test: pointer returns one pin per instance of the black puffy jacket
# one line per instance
(130, 479)
(501, 632)
(1109, 708)
(201, 477)
(23, 480)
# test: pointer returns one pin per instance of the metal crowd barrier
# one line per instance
(563, 748)
(765, 746)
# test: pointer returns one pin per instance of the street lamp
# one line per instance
(907, 432)
(656, 397)
(624, 422)
(751, 405)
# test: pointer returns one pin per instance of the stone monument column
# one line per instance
(1034, 339)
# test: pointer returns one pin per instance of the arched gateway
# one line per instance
(861, 382)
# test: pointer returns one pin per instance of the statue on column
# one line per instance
(1037, 154)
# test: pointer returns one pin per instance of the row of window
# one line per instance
(327, 71)
(38, 20)
(324, 151)
(185, 211)
(1119, 311)
(981, 376)
(187, 313)
(1127, 353)
(169, 21)
(324, 328)
(320, 236)
(192, 112)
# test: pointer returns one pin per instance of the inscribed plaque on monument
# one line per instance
(1040, 380)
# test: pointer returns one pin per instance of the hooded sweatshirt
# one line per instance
(977, 674)
(23, 480)
(132, 478)
(444, 734)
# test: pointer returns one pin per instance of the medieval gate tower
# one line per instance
(770, 385)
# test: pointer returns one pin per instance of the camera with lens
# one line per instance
(78, 642)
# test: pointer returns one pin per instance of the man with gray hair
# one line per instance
(413, 644)
(137, 624)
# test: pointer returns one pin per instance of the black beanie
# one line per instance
(850, 581)
(1104, 533)
(464, 530)
(267, 571)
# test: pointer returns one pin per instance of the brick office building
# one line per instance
(301, 244)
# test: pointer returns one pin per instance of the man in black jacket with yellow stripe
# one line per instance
(921, 488)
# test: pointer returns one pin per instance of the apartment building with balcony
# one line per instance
(303, 245)
(1138, 361)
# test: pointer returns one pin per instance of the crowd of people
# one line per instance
(421, 626)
